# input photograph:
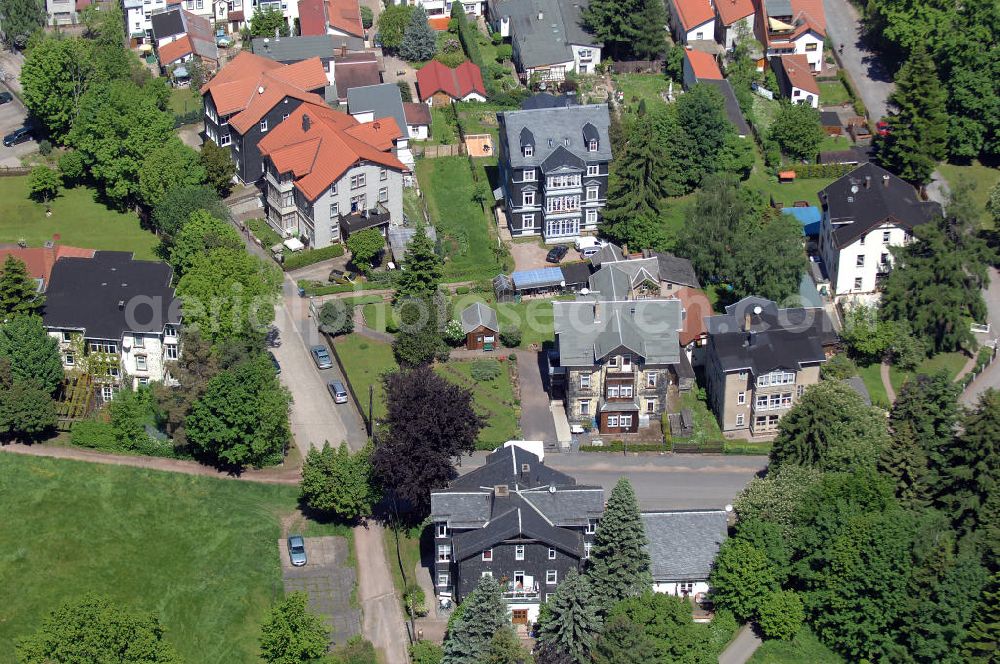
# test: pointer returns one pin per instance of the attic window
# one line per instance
(566, 142)
(501, 491)
(525, 467)
(529, 150)
(592, 145)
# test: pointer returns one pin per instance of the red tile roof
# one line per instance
(456, 83)
(693, 13)
(175, 50)
(250, 85)
(342, 15)
(312, 17)
(320, 149)
(812, 12)
(731, 11)
(696, 308)
(235, 16)
(799, 73)
(703, 65)
(40, 260)
(416, 114)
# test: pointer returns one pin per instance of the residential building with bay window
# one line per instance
(760, 360)
(328, 175)
(517, 520)
(554, 170)
(115, 318)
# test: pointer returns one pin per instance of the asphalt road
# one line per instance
(12, 115)
(873, 81)
(669, 482)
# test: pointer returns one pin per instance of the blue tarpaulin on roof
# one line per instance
(809, 217)
(540, 278)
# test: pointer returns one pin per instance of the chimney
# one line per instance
(597, 312)
(306, 123)
(541, 16)
(625, 251)
(885, 180)
(501, 491)
(526, 473)
(343, 50)
(746, 322)
(121, 305)
(868, 182)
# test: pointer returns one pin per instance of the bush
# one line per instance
(312, 256)
(425, 652)
(511, 336)
(462, 290)
(414, 601)
(839, 367)
(367, 17)
(450, 59)
(722, 629)
(485, 370)
(453, 333)
(95, 435)
(263, 232)
(44, 148)
(619, 446)
(404, 91)
(71, 167)
(504, 53)
(780, 615)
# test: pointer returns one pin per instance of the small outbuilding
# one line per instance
(479, 323)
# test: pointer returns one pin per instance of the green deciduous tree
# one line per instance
(484, 614)
(339, 482)
(426, 652)
(776, 497)
(918, 123)
(95, 629)
(708, 239)
(201, 234)
(619, 564)
(229, 294)
(269, 22)
(770, 260)
(192, 370)
(701, 117)
(796, 129)
(19, 20)
(422, 268)
(219, 167)
(55, 75)
(19, 294)
(43, 184)
(177, 205)
(168, 165)
(71, 168)
(780, 615)
(742, 578)
(667, 624)
(33, 354)
(129, 413)
(936, 283)
(365, 246)
(118, 125)
(336, 317)
(623, 642)
(293, 634)
(832, 429)
(367, 17)
(419, 41)
(572, 623)
(392, 23)
(242, 418)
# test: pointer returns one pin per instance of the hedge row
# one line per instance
(312, 256)
(822, 170)
(326, 290)
(619, 446)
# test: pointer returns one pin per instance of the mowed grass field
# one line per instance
(198, 551)
(77, 218)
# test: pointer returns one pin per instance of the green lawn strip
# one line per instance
(801, 189)
(76, 217)
(834, 143)
(201, 552)
(408, 555)
(494, 400)
(833, 93)
(443, 130)
(462, 227)
(984, 177)
(184, 100)
(950, 363)
(805, 647)
(479, 118)
(872, 377)
(365, 360)
(638, 87)
(706, 427)
(413, 207)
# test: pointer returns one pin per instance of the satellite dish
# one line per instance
(552, 489)
(728, 508)
(584, 291)
(260, 90)
(562, 283)
(854, 188)
(757, 310)
(266, 40)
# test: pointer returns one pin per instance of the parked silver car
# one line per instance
(297, 550)
(337, 391)
(321, 356)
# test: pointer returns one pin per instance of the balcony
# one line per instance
(359, 221)
(521, 591)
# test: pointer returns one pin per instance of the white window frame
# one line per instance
(591, 526)
(651, 379)
(69, 359)
(107, 393)
(613, 421)
(585, 381)
(528, 150)
(140, 363)
(585, 407)
(357, 181)
(858, 283)
(263, 125)
(334, 210)
(383, 194)
(518, 552)
(169, 331)
(67, 337)
(885, 236)
(333, 189)
(442, 530)
(552, 553)
(587, 546)
(486, 573)
(170, 351)
(741, 398)
(527, 198)
(225, 139)
(444, 553)
(591, 216)
(527, 175)
(592, 145)
(625, 421)
(488, 555)
(528, 220)
(139, 341)
(593, 193)
(593, 170)
(739, 419)
(383, 174)
(442, 580)
(860, 262)
(650, 406)
(551, 577)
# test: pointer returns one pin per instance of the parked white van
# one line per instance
(588, 241)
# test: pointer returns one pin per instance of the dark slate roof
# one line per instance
(683, 545)
(830, 119)
(478, 315)
(504, 466)
(110, 294)
(567, 506)
(858, 385)
(515, 517)
(385, 100)
(546, 100)
(677, 270)
(576, 274)
(777, 339)
(546, 41)
(608, 252)
(856, 154)
(562, 158)
(588, 330)
(733, 111)
(870, 196)
(295, 49)
(550, 129)
(167, 23)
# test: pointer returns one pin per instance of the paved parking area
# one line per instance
(12, 116)
(329, 580)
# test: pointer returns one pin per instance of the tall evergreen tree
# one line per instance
(619, 564)
(419, 41)
(484, 614)
(33, 354)
(637, 190)
(20, 19)
(709, 239)
(18, 292)
(614, 22)
(422, 267)
(701, 117)
(970, 471)
(918, 123)
(572, 622)
(650, 40)
(982, 640)
(936, 284)
(905, 462)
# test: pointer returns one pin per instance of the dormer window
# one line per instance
(592, 145)
(529, 150)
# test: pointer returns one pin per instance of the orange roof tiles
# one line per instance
(439, 23)
(250, 85)
(318, 145)
(812, 12)
(312, 17)
(175, 50)
(693, 13)
(703, 65)
(731, 11)
(696, 308)
(457, 83)
(40, 260)
(799, 73)
(341, 15)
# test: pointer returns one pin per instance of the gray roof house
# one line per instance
(547, 36)
(400, 238)
(683, 546)
(478, 315)
(381, 101)
(294, 49)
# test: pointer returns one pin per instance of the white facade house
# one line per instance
(443, 7)
(865, 214)
(728, 34)
(682, 547)
(692, 20)
(792, 27)
(546, 36)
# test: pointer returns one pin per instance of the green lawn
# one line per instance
(479, 118)
(833, 93)
(706, 426)
(76, 217)
(413, 205)
(872, 377)
(833, 143)
(802, 189)
(494, 400)
(675, 217)
(365, 361)
(984, 177)
(201, 552)
(463, 228)
(951, 363)
(408, 556)
(443, 130)
(805, 648)
(184, 100)
(638, 87)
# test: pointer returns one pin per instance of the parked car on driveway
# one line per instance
(297, 550)
(321, 356)
(337, 391)
(6, 97)
(556, 254)
(19, 135)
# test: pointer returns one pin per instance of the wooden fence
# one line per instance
(12, 171)
(637, 67)
(435, 151)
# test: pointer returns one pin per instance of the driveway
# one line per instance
(536, 418)
(382, 609)
(990, 377)
(12, 115)
(872, 80)
(329, 579)
(530, 255)
(741, 648)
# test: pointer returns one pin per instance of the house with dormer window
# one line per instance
(554, 166)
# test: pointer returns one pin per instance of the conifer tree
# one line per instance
(918, 124)
(905, 462)
(18, 292)
(422, 267)
(419, 41)
(572, 622)
(650, 39)
(982, 640)
(483, 615)
(613, 22)
(619, 564)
